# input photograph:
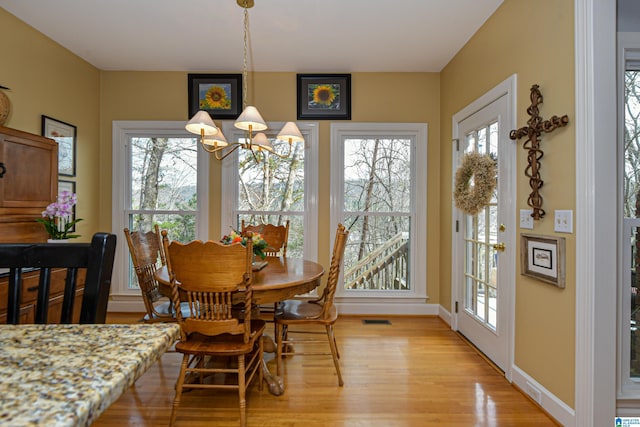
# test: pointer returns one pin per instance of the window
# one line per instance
(159, 176)
(379, 193)
(269, 189)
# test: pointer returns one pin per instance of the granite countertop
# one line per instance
(67, 375)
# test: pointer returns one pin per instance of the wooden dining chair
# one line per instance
(276, 236)
(147, 255)
(214, 279)
(320, 311)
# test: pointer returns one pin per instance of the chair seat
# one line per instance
(166, 314)
(224, 344)
(290, 311)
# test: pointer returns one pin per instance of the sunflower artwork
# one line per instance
(324, 96)
(220, 95)
(215, 97)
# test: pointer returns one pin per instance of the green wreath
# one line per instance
(471, 199)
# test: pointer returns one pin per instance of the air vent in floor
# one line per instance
(376, 322)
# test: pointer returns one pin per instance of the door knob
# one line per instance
(499, 246)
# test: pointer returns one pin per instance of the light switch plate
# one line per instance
(563, 221)
(526, 220)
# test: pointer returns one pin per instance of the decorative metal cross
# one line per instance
(533, 131)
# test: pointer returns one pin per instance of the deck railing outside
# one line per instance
(385, 268)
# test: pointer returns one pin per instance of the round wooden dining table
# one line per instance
(282, 278)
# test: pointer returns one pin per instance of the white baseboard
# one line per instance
(126, 304)
(444, 315)
(387, 308)
(548, 401)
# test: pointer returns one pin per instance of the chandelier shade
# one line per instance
(215, 141)
(202, 124)
(250, 119)
(290, 133)
(262, 142)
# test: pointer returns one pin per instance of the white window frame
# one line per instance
(229, 181)
(124, 299)
(398, 302)
(628, 388)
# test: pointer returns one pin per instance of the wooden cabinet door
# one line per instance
(55, 308)
(29, 172)
(27, 315)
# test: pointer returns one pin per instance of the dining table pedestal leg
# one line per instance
(274, 382)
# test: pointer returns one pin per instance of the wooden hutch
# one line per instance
(28, 183)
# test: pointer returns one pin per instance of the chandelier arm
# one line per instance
(253, 152)
(282, 156)
(218, 157)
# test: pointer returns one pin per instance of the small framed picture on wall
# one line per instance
(543, 257)
(69, 186)
(65, 135)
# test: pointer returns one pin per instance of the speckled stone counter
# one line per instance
(67, 375)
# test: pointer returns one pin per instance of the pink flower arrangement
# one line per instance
(56, 218)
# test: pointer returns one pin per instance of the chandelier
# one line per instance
(250, 120)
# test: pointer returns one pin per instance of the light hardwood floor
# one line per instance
(414, 372)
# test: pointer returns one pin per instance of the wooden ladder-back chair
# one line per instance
(147, 255)
(276, 236)
(320, 311)
(215, 279)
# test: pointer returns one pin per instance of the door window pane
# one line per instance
(481, 233)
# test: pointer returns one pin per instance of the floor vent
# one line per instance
(376, 321)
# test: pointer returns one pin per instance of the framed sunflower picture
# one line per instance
(324, 96)
(220, 95)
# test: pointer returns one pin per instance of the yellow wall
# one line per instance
(533, 39)
(390, 97)
(45, 78)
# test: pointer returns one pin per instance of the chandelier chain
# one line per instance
(244, 56)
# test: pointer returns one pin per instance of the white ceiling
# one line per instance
(302, 36)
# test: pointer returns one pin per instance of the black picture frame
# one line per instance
(65, 134)
(335, 105)
(229, 84)
(64, 185)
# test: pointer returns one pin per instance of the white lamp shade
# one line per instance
(290, 133)
(216, 141)
(262, 141)
(250, 117)
(201, 121)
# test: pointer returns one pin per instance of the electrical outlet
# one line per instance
(526, 220)
(563, 221)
